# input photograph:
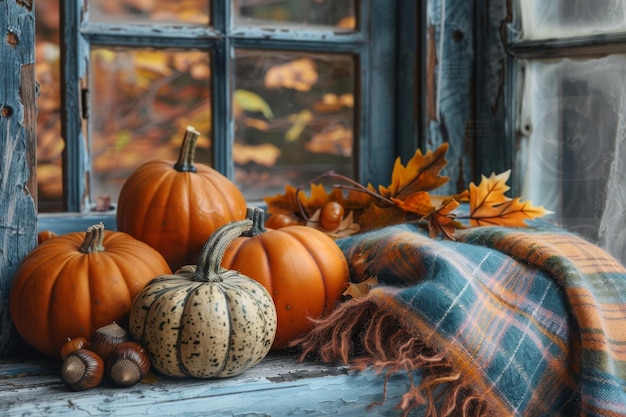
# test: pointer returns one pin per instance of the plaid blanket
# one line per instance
(506, 322)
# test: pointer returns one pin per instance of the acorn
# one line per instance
(72, 345)
(127, 364)
(82, 370)
(106, 338)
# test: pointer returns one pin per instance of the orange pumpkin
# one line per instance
(69, 286)
(174, 206)
(302, 268)
(45, 235)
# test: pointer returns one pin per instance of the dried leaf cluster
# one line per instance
(407, 198)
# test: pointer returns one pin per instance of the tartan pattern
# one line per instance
(534, 319)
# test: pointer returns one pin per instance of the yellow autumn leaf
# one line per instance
(489, 205)
(512, 213)
(300, 121)
(490, 191)
(249, 101)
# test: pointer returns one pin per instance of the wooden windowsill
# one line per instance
(278, 386)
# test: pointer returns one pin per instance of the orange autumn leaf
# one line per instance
(358, 264)
(512, 213)
(408, 198)
(284, 203)
(418, 203)
(420, 174)
(374, 217)
(318, 197)
(361, 289)
(442, 221)
(490, 191)
(489, 205)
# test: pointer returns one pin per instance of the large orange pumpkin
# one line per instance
(302, 268)
(174, 206)
(71, 285)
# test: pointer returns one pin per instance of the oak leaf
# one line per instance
(512, 213)
(490, 191)
(442, 221)
(490, 206)
(418, 203)
(359, 263)
(361, 289)
(286, 203)
(374, 217)
(420, 174)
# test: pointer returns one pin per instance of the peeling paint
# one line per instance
(27, 4)
(18, 217)
(12, 39)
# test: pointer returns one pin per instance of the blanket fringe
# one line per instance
(361, 334)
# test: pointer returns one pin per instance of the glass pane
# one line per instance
(140, 104)
(573, 112)
(294, 118)
(329, 13)
(149, 11)
(49, 141)
(566, 18)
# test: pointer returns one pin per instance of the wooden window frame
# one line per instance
(385, 122)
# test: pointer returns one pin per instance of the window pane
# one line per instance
(140, 104)
(566, 18)
(49, 141)
(332, 13)
(149, 11)
(294, 118)
(574, 112)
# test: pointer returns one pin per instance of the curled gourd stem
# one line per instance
(186, 157)
(93, 239)
(257, 215)
(208, 267)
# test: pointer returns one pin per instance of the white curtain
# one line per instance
(573, 140)
(564, 18)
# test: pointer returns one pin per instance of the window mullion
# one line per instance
(377, 136)
(75, 159)
(221, 88)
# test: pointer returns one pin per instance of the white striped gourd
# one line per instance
(205, 321)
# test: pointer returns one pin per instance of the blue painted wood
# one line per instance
(451, 82)
(18, 218)
(278, 386)
(73, 68)
(410, 80)
(494, 138)
(376, 126)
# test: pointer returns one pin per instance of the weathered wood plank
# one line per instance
(449, 87)
(493, 136)
(278, 386)
(18, 220)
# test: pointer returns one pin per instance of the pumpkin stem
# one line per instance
(208, 267)
(186, 157)
(93, 239)
(257, 215)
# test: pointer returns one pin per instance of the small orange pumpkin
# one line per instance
(302, 268)
(45, 235)
(174, 206)
(70, 286)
